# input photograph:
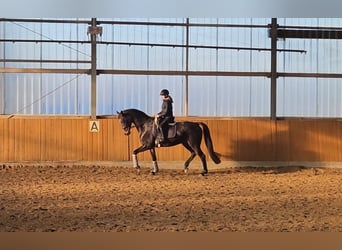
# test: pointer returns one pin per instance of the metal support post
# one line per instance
(94, 31)
(2, 96)
(274, 74)
(186, 108)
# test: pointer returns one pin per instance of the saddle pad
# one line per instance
(172, 130)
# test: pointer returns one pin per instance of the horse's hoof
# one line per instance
(138, 170)
(153, 173)
(204, 173)
(186, 170)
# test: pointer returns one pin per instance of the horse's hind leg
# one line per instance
(192, 156)
(201, 155)
(187, 163)
(204, 163)
(194, 146)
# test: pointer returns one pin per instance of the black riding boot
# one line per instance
(164, 138)
(159, 137)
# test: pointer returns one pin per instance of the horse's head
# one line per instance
(126, 122)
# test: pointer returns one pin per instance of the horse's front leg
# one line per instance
(135, 158)
(154, 161)
(135, 162)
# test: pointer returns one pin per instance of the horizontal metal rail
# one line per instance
(25, 20)
(310, 75)
(309, 34)
(42, 61)
(198, 46)
(42, 41)
(169, 72)
(181, 24)
(44, 70)
(144, 23)
(309, 27)
(134, 72)
(150, 45)
(182, 73)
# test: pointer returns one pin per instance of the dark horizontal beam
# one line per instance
(143, 23)
(165, 72)
(182, 73)
(25, 20)
(151, 45)
(41, 41)
(44, 70)
(310, 75)
(41, 61)
(309, 27)
(149, 23)
(133, 72)
(197, 46)
(309, 34)
(182, 24)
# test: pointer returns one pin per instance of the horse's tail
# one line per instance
(209, 143)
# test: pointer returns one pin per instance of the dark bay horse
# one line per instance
(187, 133)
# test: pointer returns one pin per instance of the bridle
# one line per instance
(127, 129)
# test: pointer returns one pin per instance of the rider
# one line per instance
(165, 116)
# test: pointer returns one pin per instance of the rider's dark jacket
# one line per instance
(166, 112)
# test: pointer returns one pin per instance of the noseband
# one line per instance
(128, 129)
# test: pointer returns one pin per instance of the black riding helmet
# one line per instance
(164, 92)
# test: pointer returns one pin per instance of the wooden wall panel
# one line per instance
(329, 140)
(303, 140)
(281, 140)
(49, 141)
(68, 139)
(3, 139)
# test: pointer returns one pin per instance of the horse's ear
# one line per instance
(117, 112)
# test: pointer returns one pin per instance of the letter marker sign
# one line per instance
(94, 126)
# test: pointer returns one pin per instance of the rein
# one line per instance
(130, 127)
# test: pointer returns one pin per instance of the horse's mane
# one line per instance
(136, 113)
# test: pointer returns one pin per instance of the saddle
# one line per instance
(171, 132)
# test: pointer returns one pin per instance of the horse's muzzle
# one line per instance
(127, 130)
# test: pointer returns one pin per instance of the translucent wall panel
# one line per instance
(142, 57)
(123, 56)
(297, 97)
(22, 101)
(65, 51)
(29, 31)
(229, 96)
(208, 96)
(46, 94)
(309, 97)
(329, 98)
(322, 55)
(46, 51)
(120, 92)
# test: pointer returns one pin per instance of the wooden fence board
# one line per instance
(68, 139)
